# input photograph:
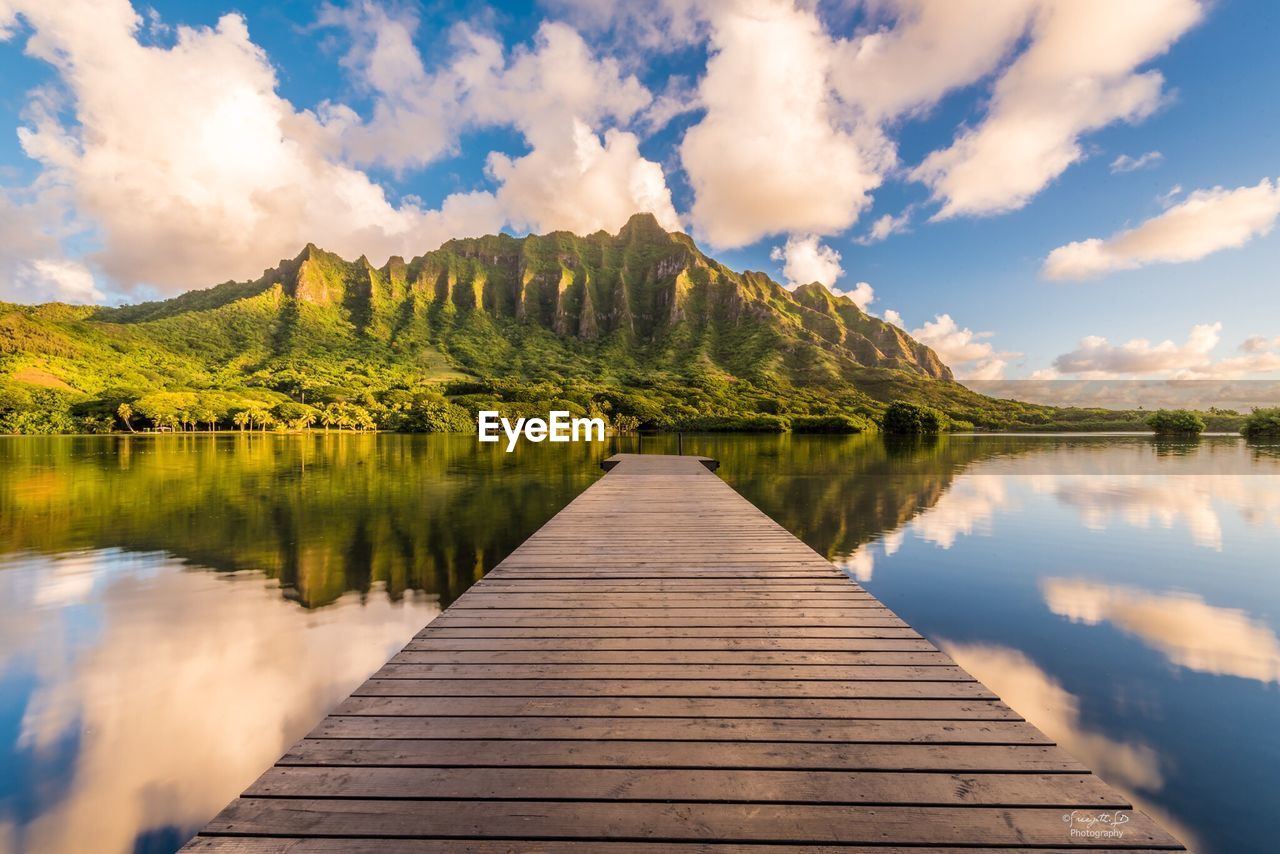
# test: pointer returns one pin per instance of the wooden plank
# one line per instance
(648, 784)
(354, 845)
(939, 673)
(662, 668)
(462, 620)
(689, 729)
(679, 707)
(431, 643)
(439, 629)
(810, 756)
(880, 689)
(787, 658)
(621, 820)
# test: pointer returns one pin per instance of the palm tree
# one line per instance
(241, 418)
(125, 411)
(328, 417)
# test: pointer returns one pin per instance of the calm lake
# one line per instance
(176, 610)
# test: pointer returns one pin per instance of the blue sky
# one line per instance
(149, 148)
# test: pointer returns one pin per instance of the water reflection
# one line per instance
(154, 693)
(1044, 702)
(1190, 633)
(1134, 767)
(175, 610)
(325, 514)
(1103, 586)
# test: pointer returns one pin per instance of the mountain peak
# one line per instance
(643, 224)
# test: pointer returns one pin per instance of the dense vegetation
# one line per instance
(1262, 424)
(904, 418)
(1175, 422)
(640, 328)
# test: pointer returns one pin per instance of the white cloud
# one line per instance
(60, 280)
(1098, 358)
(967, 352)
(1078, 74)
(1259, 344)
(1167, 198)
(807, 260)
(861, 293)
(416, 116)
(1125, 163)
(31, 262)
(771, 154)
(885, 226)
(891, 316)
(1205, 222)
(555, 93)
(220, 174)
(931, 49)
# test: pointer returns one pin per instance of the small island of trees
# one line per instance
(1175, 422)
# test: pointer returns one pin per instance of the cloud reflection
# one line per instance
(969, 506)
(183, 688)
(1025, 687)
(1187, 630)
(1042, 701)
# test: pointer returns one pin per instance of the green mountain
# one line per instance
(639, 325)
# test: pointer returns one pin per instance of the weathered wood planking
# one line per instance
(663, 668)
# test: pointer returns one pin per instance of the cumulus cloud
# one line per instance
(416, 116)
(555, 93)
(966, 352)
(930, 49)
(31, 262)
(885, 226)
(753, 160)
(1098, 358)
(1205, 222)
(1079, 73)
(572, 179)
(793, 134)
(1125, 163)
(187, 163)
(59, 279)
(1259, 344)
(861, 293)
(806, 259)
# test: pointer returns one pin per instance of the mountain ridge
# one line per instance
(562, 282)
(641, 324)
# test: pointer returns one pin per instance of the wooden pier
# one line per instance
(663, 668)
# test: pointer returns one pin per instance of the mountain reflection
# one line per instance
(1189, 632)
(323, 514)
(176, 688)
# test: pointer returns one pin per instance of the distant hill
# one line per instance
(640, 324)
